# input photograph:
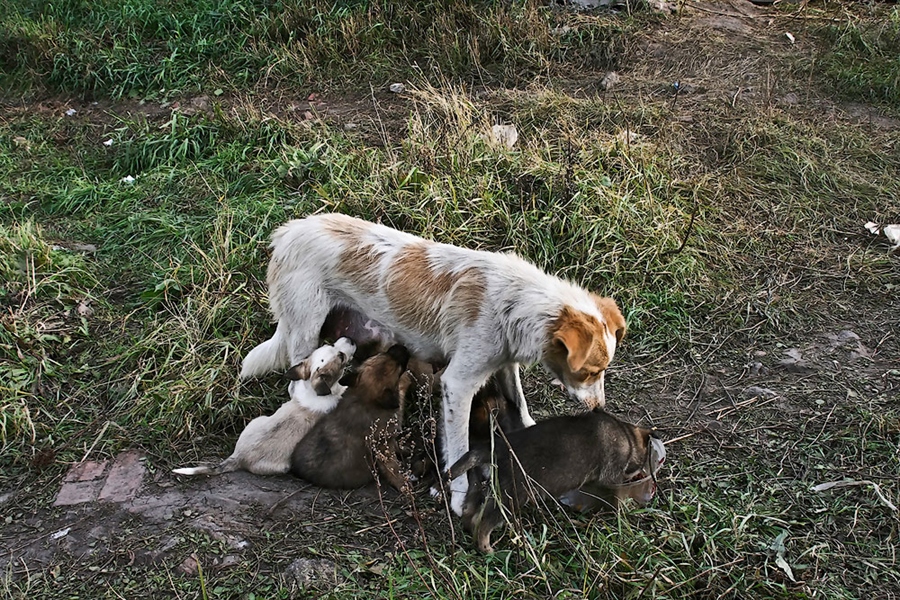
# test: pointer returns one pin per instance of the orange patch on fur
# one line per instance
(615, 322)
(359, 264)
(420, 296)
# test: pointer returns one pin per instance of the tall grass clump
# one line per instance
(862, 61)
(159, 50)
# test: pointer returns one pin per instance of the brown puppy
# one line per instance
(550, 458)
(346, 446)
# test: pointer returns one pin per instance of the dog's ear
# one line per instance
(574, 335)
(299, 371)
(615, 322)
(321, 384)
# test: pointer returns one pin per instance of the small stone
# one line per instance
(71, 112)
(189, 565)
(757, 368)
(313, 573)
(609, 81)
(128, 179)
(84, 309)
(108, 142)
(758, 392)
(506, 135)
(397, 88)
(350, 126)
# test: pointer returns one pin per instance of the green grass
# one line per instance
(166, 49)
(862, 59)
(138, 343)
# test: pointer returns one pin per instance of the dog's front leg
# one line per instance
(458, 387)
(511, 386)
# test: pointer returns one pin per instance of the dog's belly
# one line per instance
(354, 320)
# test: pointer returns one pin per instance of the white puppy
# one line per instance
(481, 312)
(266, 444)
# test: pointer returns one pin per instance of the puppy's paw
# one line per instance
(457, 500)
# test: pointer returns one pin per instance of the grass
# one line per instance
(161, 50)
(136, 341)
(861, 62)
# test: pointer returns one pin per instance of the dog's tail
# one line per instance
(271, 355)
(468, 461)
(226, 466)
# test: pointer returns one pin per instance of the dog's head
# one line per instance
(324, 367)
(580, 347)
(378, 379)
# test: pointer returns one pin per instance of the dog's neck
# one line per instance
(303, 393)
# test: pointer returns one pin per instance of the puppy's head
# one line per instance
(580, 347)
(378, 379)
(324, 367)
(636, 456)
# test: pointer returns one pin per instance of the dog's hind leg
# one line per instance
(271, 355)
(511, 386)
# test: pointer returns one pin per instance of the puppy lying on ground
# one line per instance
(265, 445)
(345, 448)
(550, 458)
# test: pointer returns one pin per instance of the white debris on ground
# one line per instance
(507, 135)
(891, 232)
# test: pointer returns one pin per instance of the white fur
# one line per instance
(266, 444)
(520, 303)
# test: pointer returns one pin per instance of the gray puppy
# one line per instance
(549, 459)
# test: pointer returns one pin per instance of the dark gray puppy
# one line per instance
(553, 457)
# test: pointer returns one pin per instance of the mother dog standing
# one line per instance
(481, 312)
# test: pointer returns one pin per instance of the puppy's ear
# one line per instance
(299, 371)
(399, 354)
(574, 336)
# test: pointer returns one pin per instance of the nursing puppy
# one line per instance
(480, 312)
(549, 459)
(359, 437)
(265, 445)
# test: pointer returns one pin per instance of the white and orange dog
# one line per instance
(481, 312)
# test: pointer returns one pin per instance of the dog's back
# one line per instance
(562, 453)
